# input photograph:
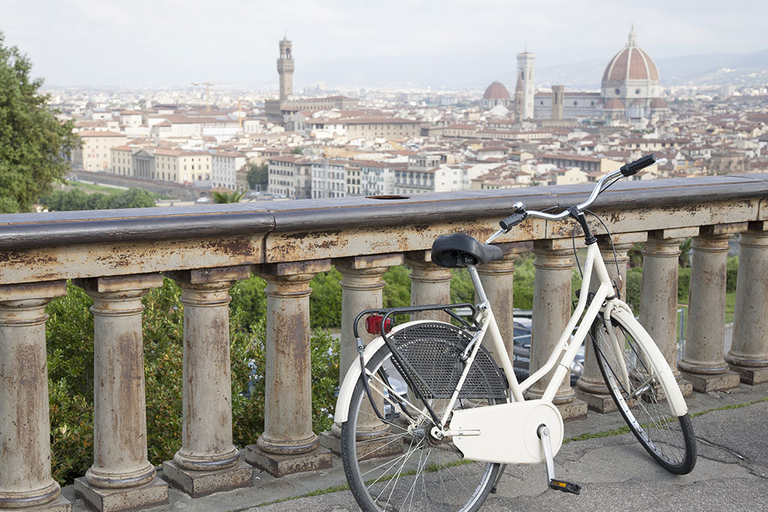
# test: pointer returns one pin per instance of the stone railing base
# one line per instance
(203, 483)
(707, 383)
(751, 376)
(281, 465)
(573, 409)
(118, 500)
(60, 504)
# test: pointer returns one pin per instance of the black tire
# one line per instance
(669, 439)
(398, 464)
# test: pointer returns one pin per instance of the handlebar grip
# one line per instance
(514, 219)
(634, 167)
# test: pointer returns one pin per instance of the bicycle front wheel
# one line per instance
(399, 464)
(634, 381)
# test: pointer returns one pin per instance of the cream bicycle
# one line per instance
(429, 419)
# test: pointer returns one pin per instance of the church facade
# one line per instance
(630, 90)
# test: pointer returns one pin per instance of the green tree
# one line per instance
(34, 145)
(131, 198)
(257, 175)
(297, 151)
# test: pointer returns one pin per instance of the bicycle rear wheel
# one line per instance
(634, 382)
(399, 464)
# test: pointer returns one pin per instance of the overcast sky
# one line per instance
(175, 42)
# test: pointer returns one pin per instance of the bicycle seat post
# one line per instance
(481, 297)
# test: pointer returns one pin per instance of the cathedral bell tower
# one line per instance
(526, 87)
(285, 69)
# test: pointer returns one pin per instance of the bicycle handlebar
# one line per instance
(520, 213)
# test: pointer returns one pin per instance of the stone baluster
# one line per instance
(703, 362)
(551, 312)
(658, 307)
(361, 285)
(591, 387)
(121, 477)
(208, 461)
(749, 350)
(430, 284)
(288, 444)
(497, 278)
(25, 447)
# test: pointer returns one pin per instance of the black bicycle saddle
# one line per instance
(459, 250)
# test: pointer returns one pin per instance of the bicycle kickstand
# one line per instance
(554, 483)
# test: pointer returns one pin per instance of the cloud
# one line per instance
(156, 42)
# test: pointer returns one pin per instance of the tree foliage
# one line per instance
(34, 145)
(397, 291)
(65, 201)
(325, 301)
(257, 175)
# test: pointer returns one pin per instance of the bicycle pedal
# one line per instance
(561, 485)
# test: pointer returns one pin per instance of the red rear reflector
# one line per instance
(373, 324)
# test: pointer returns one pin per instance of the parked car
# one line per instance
(522, 351)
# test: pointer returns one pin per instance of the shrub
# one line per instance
(325, 301)
(462, 289)
(70, 357)
(634, 288)
(522, 291)
(683, 283)
(397, 291)
(731, 272)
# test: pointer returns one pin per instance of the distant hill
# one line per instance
(716, 69)
(710, 69)
(468, 71)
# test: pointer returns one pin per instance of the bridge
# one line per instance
(117, 256)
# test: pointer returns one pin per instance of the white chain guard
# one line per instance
(506, 433)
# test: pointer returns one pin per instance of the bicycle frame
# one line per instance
(564, 351)
(562, 355)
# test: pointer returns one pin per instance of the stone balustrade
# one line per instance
(117, 256)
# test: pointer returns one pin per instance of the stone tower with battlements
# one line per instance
(285, 69)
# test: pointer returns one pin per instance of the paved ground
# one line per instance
(615, 472)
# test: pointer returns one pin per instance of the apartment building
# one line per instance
(387, 128)
(121, 160)
(329, 179)
(167, 164)
(224, 167)
(354, 176)
(378, 178)
(290, 176)
(95, 153)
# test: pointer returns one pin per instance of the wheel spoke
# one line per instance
(668, 439)
(399, 464)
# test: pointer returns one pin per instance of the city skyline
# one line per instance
(234, 42)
